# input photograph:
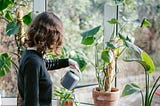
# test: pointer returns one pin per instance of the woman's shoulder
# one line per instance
(31, 56)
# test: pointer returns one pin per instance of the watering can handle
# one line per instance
(73, 64)
(80, 74)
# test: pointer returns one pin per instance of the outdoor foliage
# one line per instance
(11, 13)
(12, 29)
(150, 89)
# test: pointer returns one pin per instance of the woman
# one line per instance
(34, 84)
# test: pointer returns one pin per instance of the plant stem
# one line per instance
(96, 65)
(122, 51)
(116, 70)
(147, 88)
(150, 100)
(152, 90)
(142, 98)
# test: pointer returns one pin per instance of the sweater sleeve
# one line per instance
(56, 64)
(31, 83)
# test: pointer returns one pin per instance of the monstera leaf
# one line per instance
(88, 37)
(130, 89)
(5, 64)
(27, 18)
(12, 28)
(5, 3)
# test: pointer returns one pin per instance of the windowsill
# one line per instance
(9, 101)
(13, 102)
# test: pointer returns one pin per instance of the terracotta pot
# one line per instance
(67, 103)
(18, 100)
(105, 98)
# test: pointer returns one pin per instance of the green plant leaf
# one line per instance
(145, 66)
(27, 19)
(79, 58)
(88, 36)
(106, 56)
(121, 36)
(5, 3)
(111, 45)
(9, 16)
(88, 41)
(130, 89)
(148, 62)
(5, 64)
(145, 61)
(113, 21)
(2, 73)
(145, 23)
(133, 46)
(63, 94)
(12, 28)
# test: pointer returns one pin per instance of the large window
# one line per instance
(81, 15)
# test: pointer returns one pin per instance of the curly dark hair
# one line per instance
(45, 32)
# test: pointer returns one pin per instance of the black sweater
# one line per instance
(34, 83)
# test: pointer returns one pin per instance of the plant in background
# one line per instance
(106, 65)
(66, 97)
(11, 12)
(148, 65)
(150, 90)
(15, 24)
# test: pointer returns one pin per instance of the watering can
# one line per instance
(70, 79)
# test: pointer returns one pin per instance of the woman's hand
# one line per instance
(73, 64)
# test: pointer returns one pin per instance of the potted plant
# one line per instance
(150, 89)
(65, 97)
(104, 67)
(147, 95)
(106, 60)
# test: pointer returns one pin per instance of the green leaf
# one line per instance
(5, 3)
(130, 89)
(145, 66)
(5, 64)
(145, 23)
(79, 58)
(88, 36)
(12, 28)
(148, 62)
(9, 16)
(121, 36)
(88, 41)
(27, 19)
(145, 61)
(107, 56)
(2, 73)
(113, 21)
(133, 46)
(111, 45)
